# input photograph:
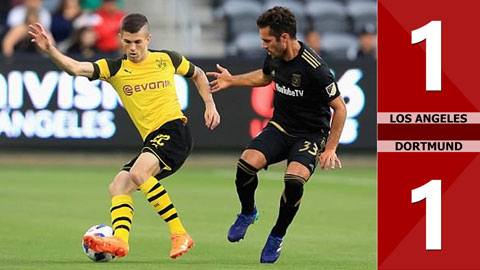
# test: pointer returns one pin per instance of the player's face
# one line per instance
(135, 45)
(275, 48)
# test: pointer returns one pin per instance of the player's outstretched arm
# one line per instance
(328, 158)
(223, 79)
(44, 43)
(212, 118)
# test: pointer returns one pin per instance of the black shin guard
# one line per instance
(246, 182)
(289, 203)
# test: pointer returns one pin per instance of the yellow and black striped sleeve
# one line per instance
(104, 69)
(181, 64)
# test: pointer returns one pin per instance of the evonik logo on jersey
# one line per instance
(129, 89)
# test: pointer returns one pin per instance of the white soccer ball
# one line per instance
(99, 230)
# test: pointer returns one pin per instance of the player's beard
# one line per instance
(277, 52)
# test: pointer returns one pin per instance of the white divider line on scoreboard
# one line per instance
(428, 118)
(440, 146)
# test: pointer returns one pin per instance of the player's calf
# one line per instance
(246, 181)
(289, 203)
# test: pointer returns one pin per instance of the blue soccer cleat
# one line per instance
(271, 251)
(239, 227)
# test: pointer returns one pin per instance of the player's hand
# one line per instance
(40, 37)
(212, 118)
(328, 159)
(222, 79)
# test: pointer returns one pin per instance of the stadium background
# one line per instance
(62, 139)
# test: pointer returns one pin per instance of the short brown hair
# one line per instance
(280, 20)
(133, 22)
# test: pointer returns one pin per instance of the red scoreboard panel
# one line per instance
(428, 134)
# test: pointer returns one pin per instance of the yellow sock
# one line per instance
(121, 213)
(159, 199)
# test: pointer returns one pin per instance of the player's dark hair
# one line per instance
(133, 22)
(281, 20)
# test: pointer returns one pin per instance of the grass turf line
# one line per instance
(46, 210)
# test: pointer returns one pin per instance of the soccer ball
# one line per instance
(100, 230)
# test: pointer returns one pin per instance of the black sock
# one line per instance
(246, 182)
(289, 203)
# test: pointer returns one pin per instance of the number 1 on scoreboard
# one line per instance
(432, 33)
(432, 192)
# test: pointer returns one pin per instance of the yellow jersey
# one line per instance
(147, 89)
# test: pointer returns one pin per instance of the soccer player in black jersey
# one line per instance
(300, 130)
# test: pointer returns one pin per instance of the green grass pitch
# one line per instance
(45, 210)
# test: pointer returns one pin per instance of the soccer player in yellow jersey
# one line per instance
(144, 80)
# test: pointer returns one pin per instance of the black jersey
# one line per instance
(304, 86)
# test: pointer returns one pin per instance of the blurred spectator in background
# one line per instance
(312, 38)
(108, 40)
(62, 20)
(5, 6)
(95, 4)
(17, 38)
(367, 44)
(16, 2)
(18, 14)
(51, 5)
(83, 44)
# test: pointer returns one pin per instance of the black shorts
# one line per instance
(278, 146)
(171, 144)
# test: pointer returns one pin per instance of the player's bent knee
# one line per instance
(139, 176)
(294, 185)
(118, 188)
(113, 188)
(255, 158)
(293, 188)
(246, 174)
(296, 168)
(243, 167)
(122, 184)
